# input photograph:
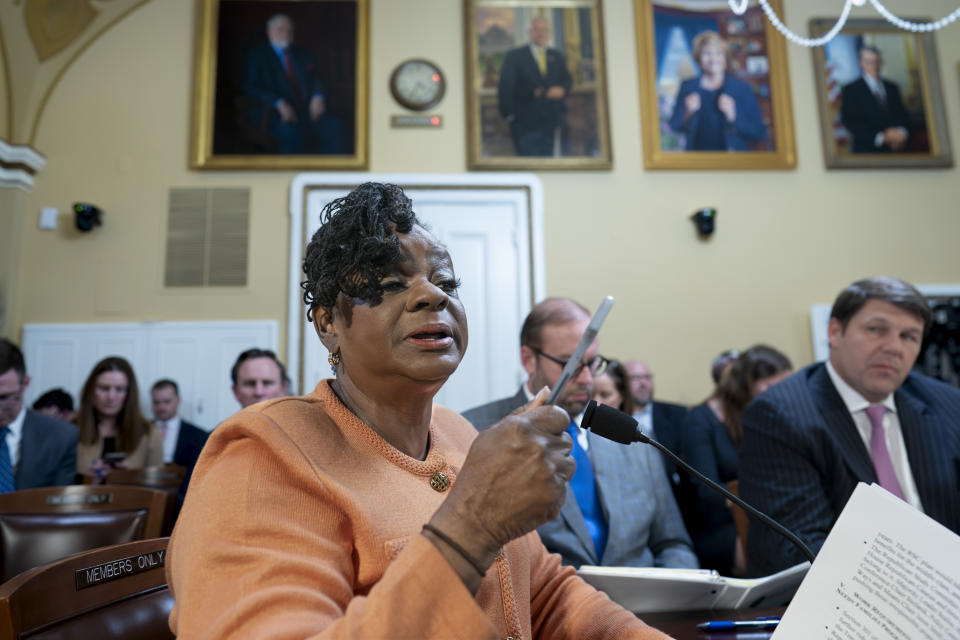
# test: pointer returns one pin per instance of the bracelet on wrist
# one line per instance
(456, 547)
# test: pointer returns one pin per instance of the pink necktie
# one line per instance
(880, 453)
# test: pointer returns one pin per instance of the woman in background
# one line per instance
(113, 431)
(710, 438)
(717, 111)
(612, 388)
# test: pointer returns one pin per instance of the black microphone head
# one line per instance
(610, 423)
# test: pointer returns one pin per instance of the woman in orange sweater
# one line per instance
(363, 510)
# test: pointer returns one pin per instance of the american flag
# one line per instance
(834, 95)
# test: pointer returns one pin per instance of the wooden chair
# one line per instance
(166, 477)
(110, 593)
(38, 526)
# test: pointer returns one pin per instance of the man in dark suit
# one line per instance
(182, 441)
(860, 417)
(36, 450)
(534, 81)
(281, 80)
(872, 110)
(661, 421)
(619, 510)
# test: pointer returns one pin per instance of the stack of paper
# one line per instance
(885, 571)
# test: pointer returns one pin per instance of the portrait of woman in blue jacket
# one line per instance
(716, 111)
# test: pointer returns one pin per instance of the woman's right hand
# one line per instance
(97, 469)
(513, 480)
(692, 103)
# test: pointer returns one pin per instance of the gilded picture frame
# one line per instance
(857, 115)
(266, 96)
(731, 109)
(536, 85)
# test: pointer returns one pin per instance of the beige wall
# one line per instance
(115, 132)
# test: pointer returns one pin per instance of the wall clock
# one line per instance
(417, 84)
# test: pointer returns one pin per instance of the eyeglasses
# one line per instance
(596, 366)
(642, 376)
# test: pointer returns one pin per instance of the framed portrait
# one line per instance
(879, 97)
(714, 88)
(536, 85)
(281, 85)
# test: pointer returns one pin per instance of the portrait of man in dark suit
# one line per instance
(534, 83)
(880, 98)
(284, 89)
(872, 108)
(279, 84)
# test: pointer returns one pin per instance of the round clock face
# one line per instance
(417, 84)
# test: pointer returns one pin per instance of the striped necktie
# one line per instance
(6, 467)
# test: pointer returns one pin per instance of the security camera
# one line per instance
(86, 216)
(705, 220)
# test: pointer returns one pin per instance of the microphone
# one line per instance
(620, 427)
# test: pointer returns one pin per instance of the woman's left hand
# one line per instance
(727, 106)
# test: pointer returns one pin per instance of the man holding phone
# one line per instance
(619, 509)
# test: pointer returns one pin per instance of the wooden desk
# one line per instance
(682, 625)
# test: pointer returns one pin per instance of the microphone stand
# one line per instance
(636, 435)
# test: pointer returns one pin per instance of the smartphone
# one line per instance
(114, 457)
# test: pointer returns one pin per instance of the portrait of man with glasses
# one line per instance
(36, 450)
(619, 509)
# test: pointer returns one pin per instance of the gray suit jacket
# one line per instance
(486, 414)
(644, 524)
(48, 452)
(801, 457)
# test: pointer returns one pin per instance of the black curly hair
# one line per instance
(356, 245)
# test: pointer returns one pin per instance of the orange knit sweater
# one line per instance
(301, 521)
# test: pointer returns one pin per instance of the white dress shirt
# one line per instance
(14, 437)
(857, 406)
(876, 88)
(170, 437)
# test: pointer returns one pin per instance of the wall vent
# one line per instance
(207, 238)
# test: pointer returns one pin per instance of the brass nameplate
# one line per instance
(429, 122)
(88, 498)
(92, 576)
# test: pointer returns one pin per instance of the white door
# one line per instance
(489, 232)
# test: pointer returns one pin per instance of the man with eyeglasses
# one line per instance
(36, 450)
(619, 509)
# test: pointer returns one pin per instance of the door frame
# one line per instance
(304, 183)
